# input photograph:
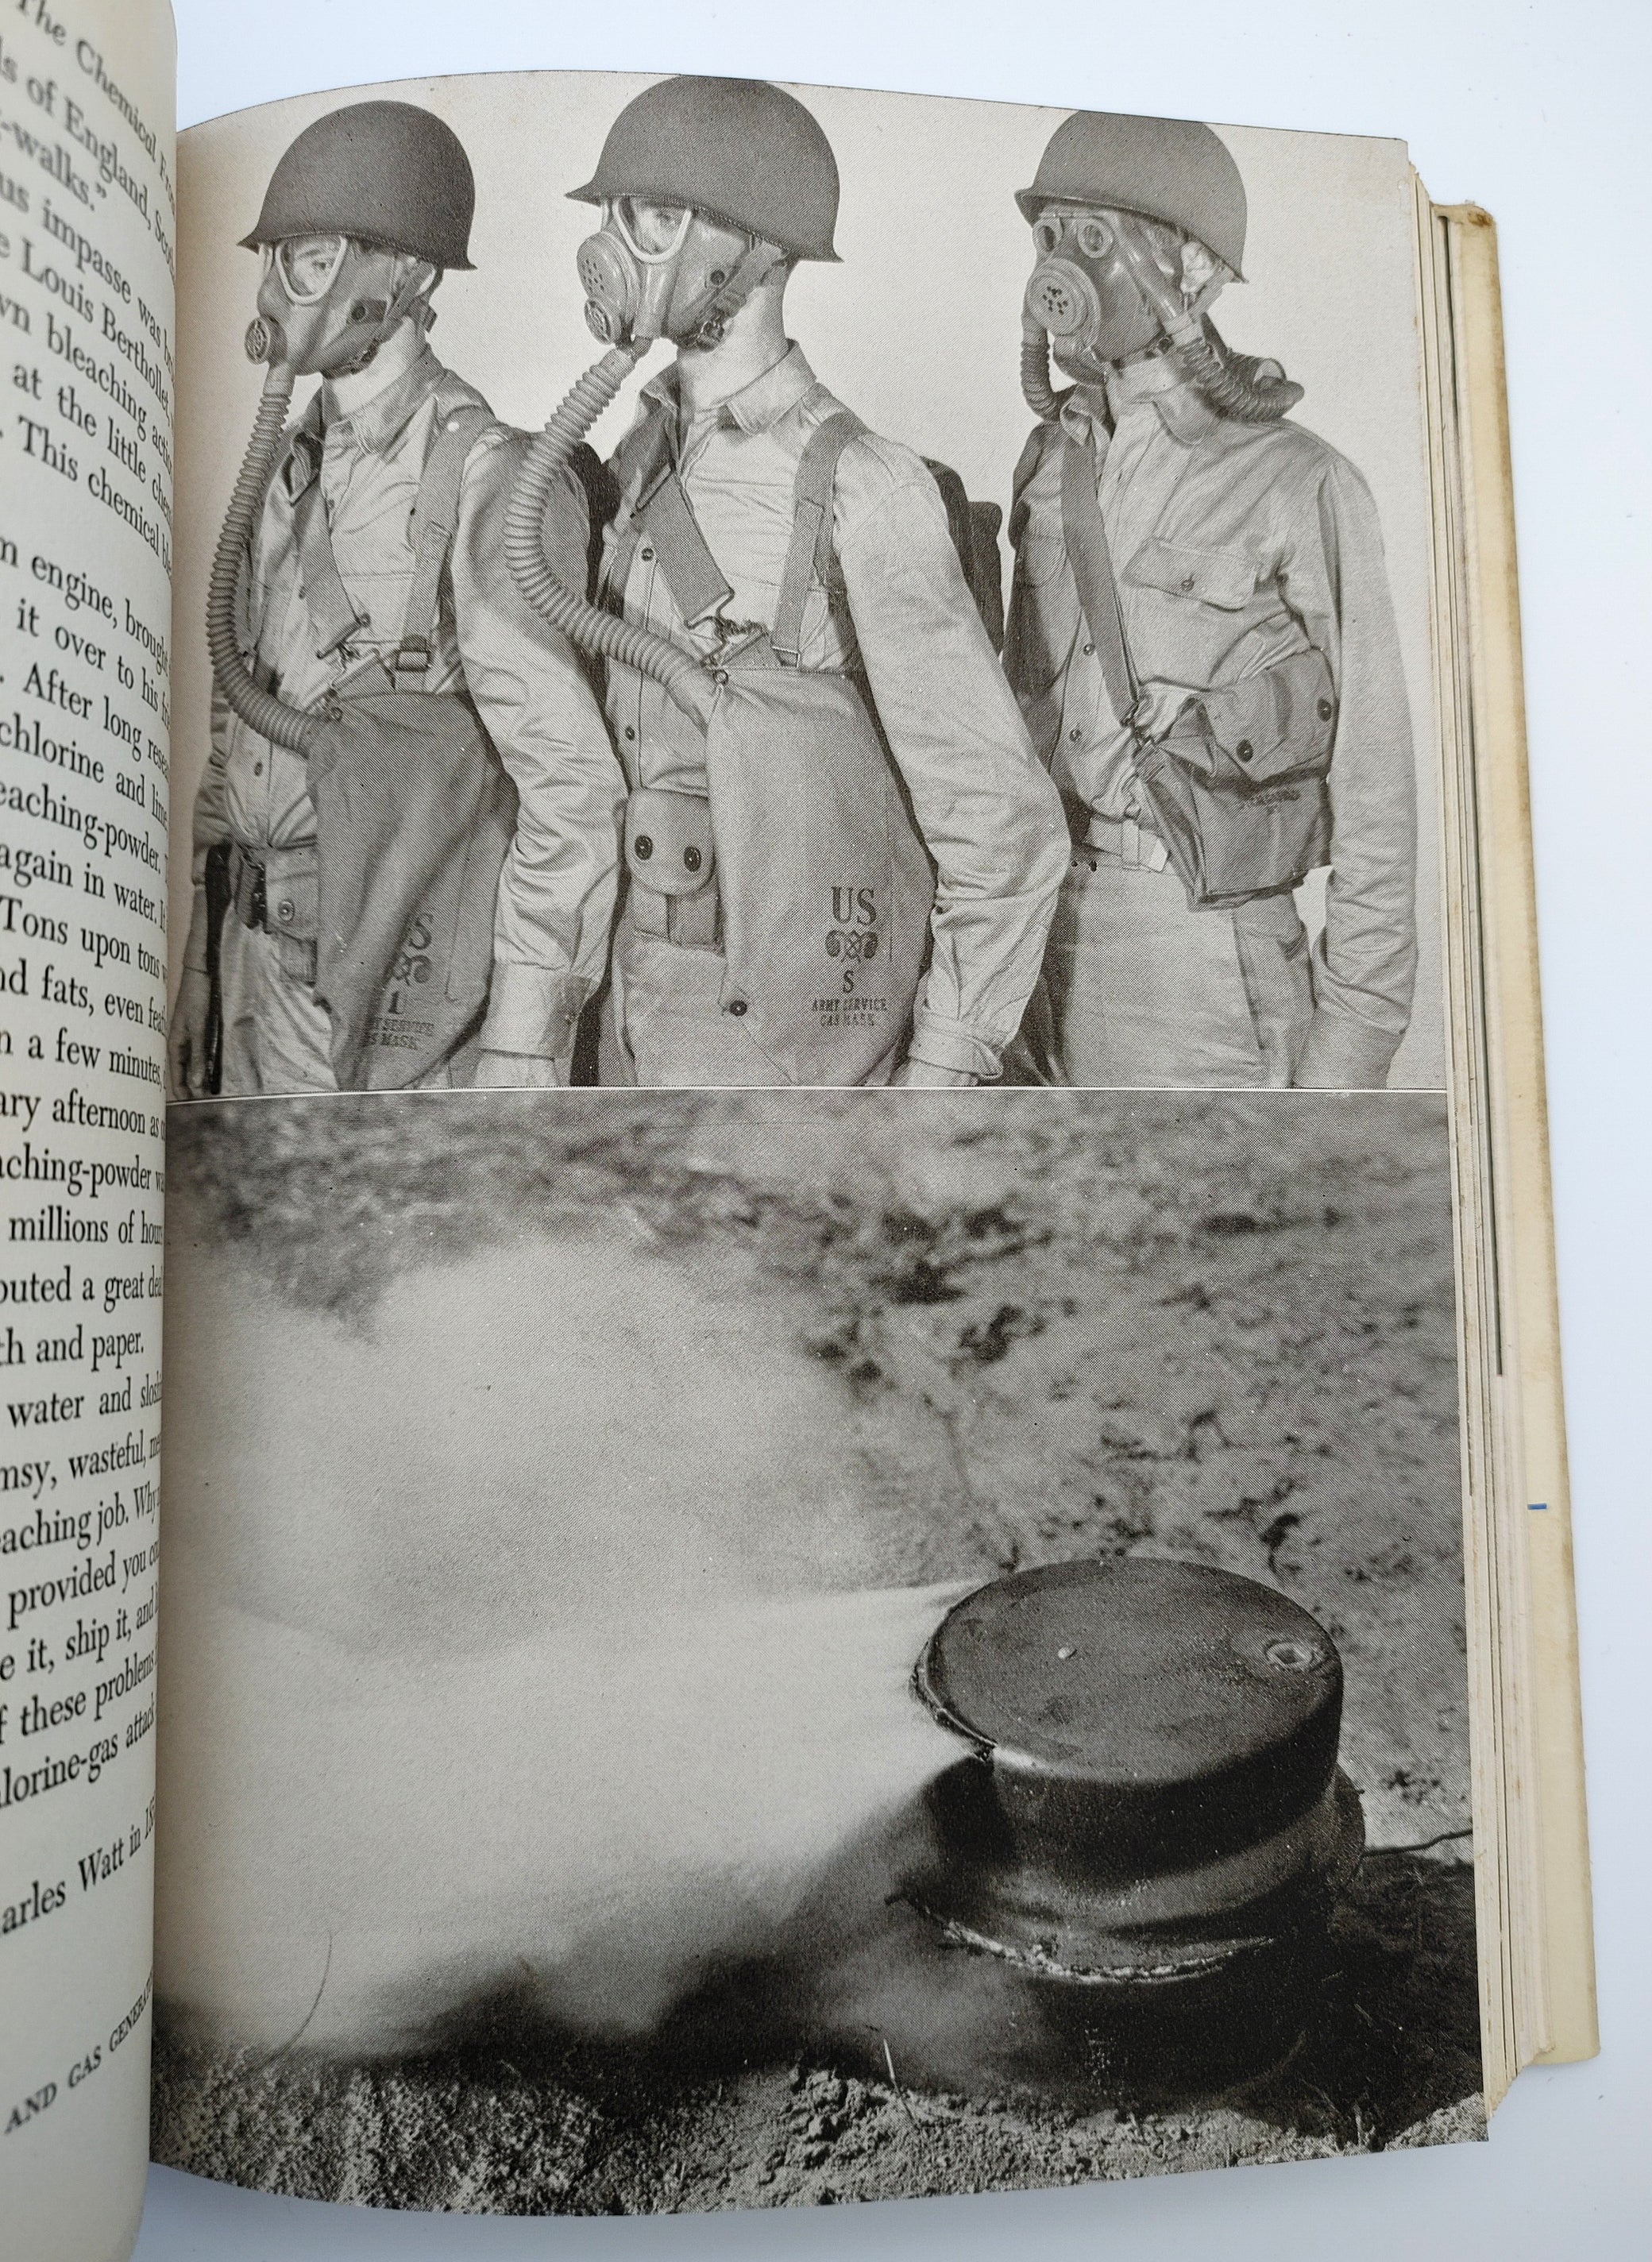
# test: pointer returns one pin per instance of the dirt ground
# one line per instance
(1059, 1325)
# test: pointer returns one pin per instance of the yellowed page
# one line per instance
(1564, 2024)
(87, 224)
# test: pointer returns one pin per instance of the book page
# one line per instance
(87, 234)
(1564, 1984)
(589, 1507)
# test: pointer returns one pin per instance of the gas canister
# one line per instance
(1137, 1860)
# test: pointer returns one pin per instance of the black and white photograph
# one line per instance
(821, 1647)
(781, 1319)
(748, 1651)
(928, 671)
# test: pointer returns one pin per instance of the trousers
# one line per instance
(276, 1038)
(1139, 992)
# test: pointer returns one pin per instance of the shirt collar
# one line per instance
(1186, 414)
(756, 406)
(373, 426)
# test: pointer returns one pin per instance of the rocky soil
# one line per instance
(1059, 1325)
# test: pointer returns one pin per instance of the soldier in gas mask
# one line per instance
(1201, 640)
(842, 851)
(407, 838)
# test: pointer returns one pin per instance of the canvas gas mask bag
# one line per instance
(1235, 788)
(824, 887)
(803, 862)
(393, 912)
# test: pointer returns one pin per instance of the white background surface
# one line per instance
(1540, 113)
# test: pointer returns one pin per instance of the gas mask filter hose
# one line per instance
(262, 711)
(1036, 390)
(1238, 386)
(678, 672)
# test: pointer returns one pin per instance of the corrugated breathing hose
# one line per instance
(567, 610)
(273, 718)
(1036, 390)
(1238, 385)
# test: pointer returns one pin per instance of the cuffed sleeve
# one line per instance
(210, 824)
(557, 889)
(1365, 961)
(988, 813)
(941, 1043)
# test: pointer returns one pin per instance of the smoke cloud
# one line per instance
(530, 1644)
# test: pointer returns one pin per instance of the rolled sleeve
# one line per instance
(1365, 968)
(557, 889)
(988, 813)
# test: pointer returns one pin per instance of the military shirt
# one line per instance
(558, 885)
(1233, 546)
(895, 607)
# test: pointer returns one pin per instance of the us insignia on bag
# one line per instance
(854, 936)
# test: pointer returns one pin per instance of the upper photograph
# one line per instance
(859, 589)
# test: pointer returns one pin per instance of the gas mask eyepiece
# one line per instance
(307, 265)
(1082, 291)
(656, 270)
(318, 308)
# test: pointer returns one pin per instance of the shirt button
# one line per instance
(736, 1006)
(1186, 583)
(1089, 650)
(1075, 734)
(257, 769)
(646, 555)
(630, 733)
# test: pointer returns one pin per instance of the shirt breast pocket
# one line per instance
(1226, 578)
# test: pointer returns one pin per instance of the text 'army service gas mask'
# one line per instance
(326, 303)
(1098, 290)
(663, 270)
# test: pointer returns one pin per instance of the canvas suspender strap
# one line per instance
(435, 521)
(1092, 562)
(638, 462)
(661, 508)
(332, 611)
(810, 557)
(696, 580)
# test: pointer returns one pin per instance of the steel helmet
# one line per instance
(736, 149)
(386, 173)
(1166, 168)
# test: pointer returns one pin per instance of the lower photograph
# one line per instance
(743, 1649)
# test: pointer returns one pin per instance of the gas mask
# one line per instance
(1096, 290)
(1099, 295)
(664, 271)
(326, 304)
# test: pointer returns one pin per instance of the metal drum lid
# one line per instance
(1138, 1714)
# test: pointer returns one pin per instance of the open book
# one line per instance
(864, 1480)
